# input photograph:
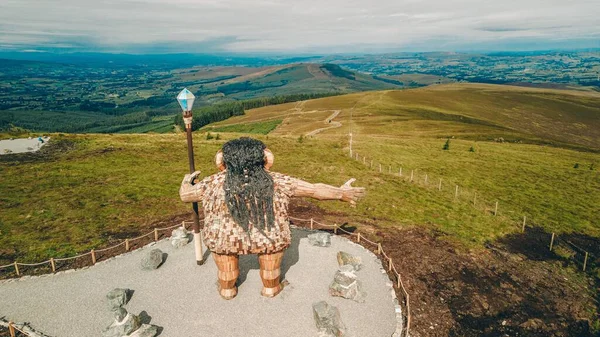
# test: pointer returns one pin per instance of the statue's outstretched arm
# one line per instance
(191, 191)
(327, 192)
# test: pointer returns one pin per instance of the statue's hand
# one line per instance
(352, 194)
(190, 179)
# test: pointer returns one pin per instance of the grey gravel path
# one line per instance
(182, 297)
(21, 145)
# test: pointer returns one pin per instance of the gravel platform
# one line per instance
(182, 297)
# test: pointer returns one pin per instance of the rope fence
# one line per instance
(93, 256)
(476, 200)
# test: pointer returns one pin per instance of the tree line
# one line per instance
(222, 111)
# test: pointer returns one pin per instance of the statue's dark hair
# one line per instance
(248, 186)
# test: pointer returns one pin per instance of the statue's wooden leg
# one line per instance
(228, 273)
(270, 270)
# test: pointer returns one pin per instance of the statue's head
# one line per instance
(255, 153)
(248, 185)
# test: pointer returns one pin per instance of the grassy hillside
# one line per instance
(502, 124)
(104, 186)
(100, 187)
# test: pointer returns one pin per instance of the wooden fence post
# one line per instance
(390, 264)
(126, 245)
(11, 329)
(93, 256)
(496, 209)
(379, 248)
(585, 261)
(425, 178)
(379, 167)
(456, 192)
(411, 175)
(440, 185)
(398, 281)
(17, 268)
(400, 173)
(335, 226)
(155, 234)
(552, 242)
(358, 238)
(53, 265)
(364, 160)
(311, 223)
(524, 218)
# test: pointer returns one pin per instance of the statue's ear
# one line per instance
(269, 159)
(219, 161)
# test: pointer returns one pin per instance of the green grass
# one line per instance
(262, 128)
(111, 185)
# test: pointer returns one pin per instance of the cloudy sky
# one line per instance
(297, 26)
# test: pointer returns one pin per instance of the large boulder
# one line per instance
(123, 327)
(346, 285)
(349, 259)
(152, 260)
(117, 298)
(320, 239)
(180, 237)
(328, 320)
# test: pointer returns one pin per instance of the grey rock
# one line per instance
(180, 237)
(328, 320)
(320, 239)
(349, 259)
(146, 330)
(152, 260)
(125, 327)
(116, 298)
(346, 285)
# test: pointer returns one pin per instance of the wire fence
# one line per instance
(585, 259)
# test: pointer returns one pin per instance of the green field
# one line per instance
(109, 186)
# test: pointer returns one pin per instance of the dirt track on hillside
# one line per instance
(329, 120)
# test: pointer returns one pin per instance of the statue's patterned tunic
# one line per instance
(223, 236)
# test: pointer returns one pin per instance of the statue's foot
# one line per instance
(228, 293)
(272, 292)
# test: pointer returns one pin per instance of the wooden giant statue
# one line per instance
(245, 210)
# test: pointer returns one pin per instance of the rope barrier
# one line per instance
(362, 237)
(8, 265)
(142, 236)
(33, 264)
(109, 248)
(73, 257)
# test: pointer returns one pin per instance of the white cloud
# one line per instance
(284, 25)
